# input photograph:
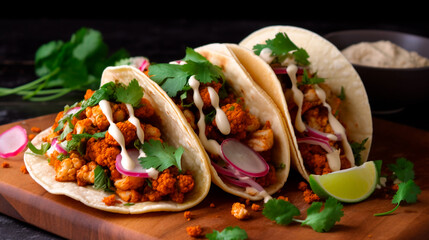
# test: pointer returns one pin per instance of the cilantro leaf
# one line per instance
(160, 155)
(407, 191)
(280, 211)
(282, 47)
(323, 221)
(403, 169)
(76, 142)
(132, 94)
(102, 180)
(229, 233)
(173, 78)
(313, 80)
(43, 148)
(104, 92)
(357, 148)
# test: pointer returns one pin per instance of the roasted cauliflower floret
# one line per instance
(129, 195)
(84, 126)
(237, 117)
(205, 95)
(239, 211)
(129, 182)
(85, 175)
(127, 129)
(66, 169)
(145, 110)
(102, 153)
(151, 132)
(165, 183)
(97, 117)
(262, 140)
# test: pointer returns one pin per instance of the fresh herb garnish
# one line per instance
(283, 213)
(282, 47)
(160, 155)
(43, 148)
(357, 148)
(407, 189)
(76, 142)
(229, 233)
(342, 95)
(102, 180)
(306, 80)
(173, 78)
(63, 67)
(117, 92)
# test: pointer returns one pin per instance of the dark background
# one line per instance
(162, 36)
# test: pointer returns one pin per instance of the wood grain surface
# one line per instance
(23, 199)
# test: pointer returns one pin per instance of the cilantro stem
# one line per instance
(60, 92)
(297, 220)
(27, 86)
(388, 212)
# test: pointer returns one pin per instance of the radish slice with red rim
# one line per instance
(138, 170)
(243, 158)
(57, 146)
(13, 141)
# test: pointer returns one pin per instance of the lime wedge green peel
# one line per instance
(349, 185)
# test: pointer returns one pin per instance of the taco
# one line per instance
(319, 93)
(120, 150)
(232, 116)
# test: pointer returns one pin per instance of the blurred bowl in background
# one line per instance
(389, 89)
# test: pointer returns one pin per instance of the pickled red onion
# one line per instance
(318, 134)
(243, 158)
(138, 170)
(316, 141)
(13, 141)
(57, 146)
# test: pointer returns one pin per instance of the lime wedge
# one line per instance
(349, 185)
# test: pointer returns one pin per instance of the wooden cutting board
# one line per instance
(25, 200)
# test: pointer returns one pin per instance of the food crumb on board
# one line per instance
(36, 129)
(309, 195)
(239, 211)
(256, 207)
(283, 198)
(212, 205)
(24, 169)
(5, 164)
(31, 136)
(194, 231)
(187, 215)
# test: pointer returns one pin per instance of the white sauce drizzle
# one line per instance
(116, 133)
(265, 54)
(221, 118)
(337, 127)
(298, 97)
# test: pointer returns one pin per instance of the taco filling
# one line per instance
(314, 109)
(110, 140)
(222, 121)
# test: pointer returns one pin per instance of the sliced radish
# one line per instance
(243, 158)
(57, 146)
(13, 141)
(138, 170)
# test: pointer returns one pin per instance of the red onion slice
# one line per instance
(319, 134)
(316, 141)
(57, 146)
(283, 70)
(243, 158)
(13, 141)
(138, 170)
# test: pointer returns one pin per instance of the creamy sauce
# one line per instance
(221, 118)
(265, 54)
(338, 129)
(116, 133)
(298, 97)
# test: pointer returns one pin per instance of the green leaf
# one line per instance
(313, 80)
(229, 233)
(104, 92)
(280, 211)
(160, 155)
(357, 148)
(101, 179)
(407, 191)
(282, 47)
(323, 221)
(403, 169)
(132, 94)
(171, 77)
(43, 148)
(76, 142)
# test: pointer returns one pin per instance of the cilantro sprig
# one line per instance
(63, 67)
(173, 78)
(408, 190)
(160, 155)
(282, 47)
(229, 233)
(283, 213)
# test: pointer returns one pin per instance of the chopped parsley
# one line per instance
(283, 213)
(102, 180)
(282, 47)
(173, 78)
(306, 80)
(160, 155)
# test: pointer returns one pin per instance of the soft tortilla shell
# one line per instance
(258, 104)
(330, 64)
(194, 157)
